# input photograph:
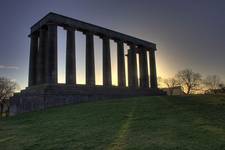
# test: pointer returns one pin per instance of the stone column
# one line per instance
(41, 60)
(107, 77)
(153, 75)
(90, 61)
(132, 67)
(52, 73)
(121, 64)
(33, 59)
(144, 81)
(70, 56)
(129, 68)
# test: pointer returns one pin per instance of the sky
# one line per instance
(188, 33)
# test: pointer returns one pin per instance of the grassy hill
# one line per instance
(189, 123)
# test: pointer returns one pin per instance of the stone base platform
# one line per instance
(44, 96)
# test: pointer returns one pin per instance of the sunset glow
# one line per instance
(185, 39)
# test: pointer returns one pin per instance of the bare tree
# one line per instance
(190, 80)
(7, 88)
(171, 83)
(222, 87)
(212, 82)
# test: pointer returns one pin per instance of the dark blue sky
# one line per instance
(188, 33)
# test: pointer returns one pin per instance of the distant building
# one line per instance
(178, 90)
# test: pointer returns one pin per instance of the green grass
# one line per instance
(168, 123)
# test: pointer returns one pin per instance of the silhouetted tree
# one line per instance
(190, 80)
(171, 83)
(212, 83)
(7, 88)
(221, 85)
(222, 88)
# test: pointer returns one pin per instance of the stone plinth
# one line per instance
(41, 97)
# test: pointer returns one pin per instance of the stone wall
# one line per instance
(42, 97)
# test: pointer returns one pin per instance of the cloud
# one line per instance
(9, 67)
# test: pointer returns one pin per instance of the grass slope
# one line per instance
(189, 123)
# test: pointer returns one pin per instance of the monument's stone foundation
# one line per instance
(45, 96)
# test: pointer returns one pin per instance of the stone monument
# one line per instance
(43, 91)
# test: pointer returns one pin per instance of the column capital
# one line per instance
(118, 41)
(69, 28)
(131, 44)
(133, 47)
(87, 32)
(51, 23)
(104, 36)
(151, 49)
(44, 28)
(141, 49)
(33, 34)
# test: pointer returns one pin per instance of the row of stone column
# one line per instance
(43, 56)
(143, 67)
(43, 60)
